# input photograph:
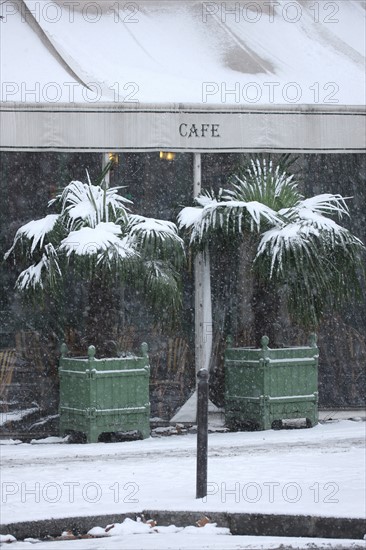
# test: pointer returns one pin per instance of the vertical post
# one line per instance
(196, 174)
(202, 433)
(198, 305)
(105, 160)
(203, 310)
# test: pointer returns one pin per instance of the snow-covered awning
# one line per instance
(183, 75)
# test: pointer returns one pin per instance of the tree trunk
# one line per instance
(265, 304)
(102, 316)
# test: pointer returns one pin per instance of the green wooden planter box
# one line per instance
(265, 386)
(104, 395)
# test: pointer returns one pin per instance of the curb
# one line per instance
(239, 524)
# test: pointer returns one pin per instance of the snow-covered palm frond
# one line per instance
(231, 217)
(325, 203)
(140, 223)
(158, 239)
(189, 217)
(265, 183)
(207, 197)
(250, 204)
(124, 249)
(293, 239)
(47, 268)
(35, 231)
(304, 227)
(122, 258)
(317, 260)
(259, 212)
(87, 204)
(90, 241)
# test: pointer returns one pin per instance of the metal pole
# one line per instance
(202, 433)
(203, 312)
(196, 174)
(105, 160)
(198, 275)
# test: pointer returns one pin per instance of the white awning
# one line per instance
(183, 76)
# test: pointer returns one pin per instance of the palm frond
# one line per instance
(263, 182)
(230, 217)
(319, 264)
(46, 270)
(189, 216)
(121, 259)
(324, 204)
(157, 239)
(90, 241)
(35, 231)
(84, 204)
(160, 283)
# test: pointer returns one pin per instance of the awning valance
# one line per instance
(183, 128)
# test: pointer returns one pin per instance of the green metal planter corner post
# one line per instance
(264, 386)
(104, 395)
(202, 433)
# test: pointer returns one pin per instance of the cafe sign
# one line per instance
(181, 128)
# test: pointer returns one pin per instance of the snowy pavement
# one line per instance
(318, 471)
(193, 541)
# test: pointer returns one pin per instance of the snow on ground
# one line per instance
(318, 471)
(192, 541)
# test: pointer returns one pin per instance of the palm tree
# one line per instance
(294, 243)
(95, 236)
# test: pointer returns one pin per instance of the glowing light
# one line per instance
(167, 155)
